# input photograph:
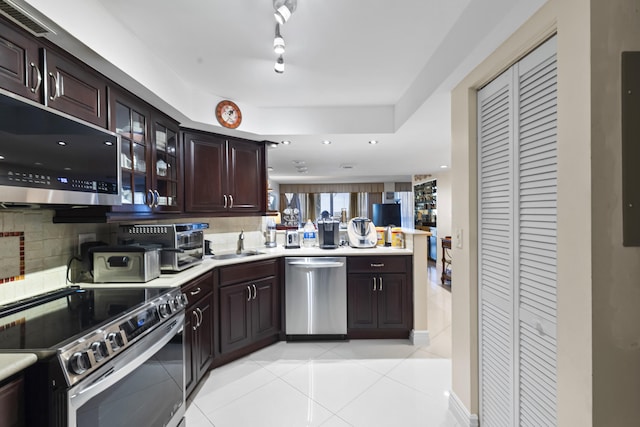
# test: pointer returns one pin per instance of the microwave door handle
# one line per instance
(175, 250)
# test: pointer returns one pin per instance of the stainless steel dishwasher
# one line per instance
(316, 298)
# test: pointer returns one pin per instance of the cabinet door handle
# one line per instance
(199, 317)
(195, 322)
(249, 292)
(255, 292)
(196, 291)
(377, 265)
(52, 78)
(157, 198)
(35, 88)
(380, 287)
(374, 284)
(225, 200)
(231, 203)
(150, 198)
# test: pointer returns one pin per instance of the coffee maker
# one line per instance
(328, 233)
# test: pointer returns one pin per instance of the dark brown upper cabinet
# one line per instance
(150, 160)
(20, 66)
(75, 89)
(224, 175)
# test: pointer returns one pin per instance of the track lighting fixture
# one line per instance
(278, 42)
(279, 67)
(284, 9)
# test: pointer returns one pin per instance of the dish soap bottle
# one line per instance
(309, 236)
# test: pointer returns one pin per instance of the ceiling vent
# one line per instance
(23, 18)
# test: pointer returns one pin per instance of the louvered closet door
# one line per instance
(496, 340)
(536, 239)
(517, 173)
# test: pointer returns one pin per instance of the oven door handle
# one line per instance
(126, 363)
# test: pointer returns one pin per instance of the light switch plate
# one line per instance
(458, 238)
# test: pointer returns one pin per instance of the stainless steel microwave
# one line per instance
(48, 157)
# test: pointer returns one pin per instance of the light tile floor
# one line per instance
(336, 384)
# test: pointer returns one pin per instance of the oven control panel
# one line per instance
(89, 352)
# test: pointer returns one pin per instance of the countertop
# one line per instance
(13, 363)
(169, 280)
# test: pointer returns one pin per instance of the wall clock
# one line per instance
(228, 114)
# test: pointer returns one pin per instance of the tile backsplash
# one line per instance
(34, 251)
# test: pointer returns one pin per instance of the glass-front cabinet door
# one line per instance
(131, 122)
(167, 191)
(150, 156)
(131, 125)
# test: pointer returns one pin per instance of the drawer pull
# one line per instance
(196, 291)
(377, 265)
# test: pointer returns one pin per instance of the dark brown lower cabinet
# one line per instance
(198, 329)
(12, 403)
(249, 297)
(379, 297)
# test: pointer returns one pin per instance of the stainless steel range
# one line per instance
(106, 357)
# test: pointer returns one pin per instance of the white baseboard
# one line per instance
(462, 414)
(420, 337)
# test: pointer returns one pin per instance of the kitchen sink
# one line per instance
(234, 255)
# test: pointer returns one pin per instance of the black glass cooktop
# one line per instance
(47, 321)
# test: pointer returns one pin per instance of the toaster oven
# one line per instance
(182, 245)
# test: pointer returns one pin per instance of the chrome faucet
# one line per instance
(240, 247)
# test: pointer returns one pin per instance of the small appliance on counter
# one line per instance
(292, 239)
(182, 245)
(270, 234)
(125, 264)
(362, 233)
(328, 233)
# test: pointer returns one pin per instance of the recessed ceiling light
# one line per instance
(108, 143)
(373, 142)
(273, 145)
(62, 143)
(326, 142)
(270, 168)
(286, 142)
(443, 166)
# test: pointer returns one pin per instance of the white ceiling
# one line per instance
(355, 70)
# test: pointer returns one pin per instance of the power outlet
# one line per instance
(85, 237)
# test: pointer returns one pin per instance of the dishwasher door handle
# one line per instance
(317, 264)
